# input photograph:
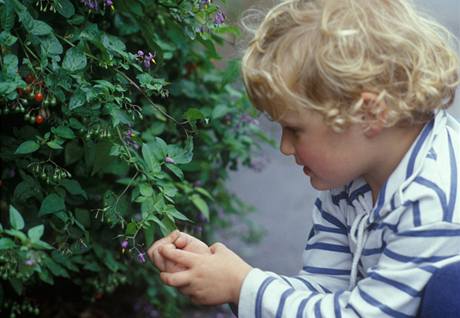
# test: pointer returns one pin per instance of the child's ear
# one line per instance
(374, 113)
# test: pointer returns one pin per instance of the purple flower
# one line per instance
(90, 4)
(149, 58)
(29, 262)
(146, 59)
(219, 18)
(129, 134)
(108, 3)
(205, 3)
(169, 160)
(124, 244)
(141, 257)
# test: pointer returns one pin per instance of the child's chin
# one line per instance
(321, 185)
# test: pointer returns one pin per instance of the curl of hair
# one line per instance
(323, 54)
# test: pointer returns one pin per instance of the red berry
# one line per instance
(29, 78)
(20, 91)
(28, 89)
(38, 97)
(39, 119)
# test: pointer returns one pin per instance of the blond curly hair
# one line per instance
(323, 54)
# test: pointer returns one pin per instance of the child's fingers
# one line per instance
(181, 241)
(177, 255)
(153, 254)
(217, 247)
(179, 279)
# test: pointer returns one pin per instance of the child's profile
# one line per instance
(360, 89)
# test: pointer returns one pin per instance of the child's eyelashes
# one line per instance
(293, 130)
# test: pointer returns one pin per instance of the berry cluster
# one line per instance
(31, 102)
(48, 173)
(97, 132)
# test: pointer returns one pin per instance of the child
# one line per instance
(359, 88)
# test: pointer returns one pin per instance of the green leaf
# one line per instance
(51, 45)
(40, 28)
(172, 211)
(83, 217)
(7, 88)
(146, 189)
(193, 114)
(149, 234)
(26, 19)
(111, 263)
(220, 111)
(54, 145)
(8, 15)
(64, 8)
(92, 266)
(73, 187)
(169, 189)
(64, 260)
(148, 152)
(10, 64)
(63, 132)
(55, 268)
(102, 156)
(51, 204)
(36, 232)
(78, 99)
(74, 60)
(17, 234)
(201, 205)
(164, 226)
(26, 147)
(176, 170)
(72, 152)
(181, 156)
(17, 285)
(42, 245)
(167, 226)
(119, 116)
(7, 39)
(131, 228)
(113, 43)
(16, 220)
(45, 276)
(6, 243)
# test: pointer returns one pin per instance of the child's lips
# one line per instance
(307, 171)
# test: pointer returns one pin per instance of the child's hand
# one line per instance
(180, 240)
(211, 279)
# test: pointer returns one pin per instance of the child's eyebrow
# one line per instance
(287, 124)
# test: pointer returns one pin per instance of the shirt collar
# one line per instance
(390, 194)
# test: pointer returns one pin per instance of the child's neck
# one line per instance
(389, 149)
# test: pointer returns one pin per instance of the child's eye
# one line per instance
(293, 130)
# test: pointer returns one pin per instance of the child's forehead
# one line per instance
(293, 117)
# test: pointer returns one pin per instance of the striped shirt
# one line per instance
(365, 260)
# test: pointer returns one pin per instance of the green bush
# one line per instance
(116, 128)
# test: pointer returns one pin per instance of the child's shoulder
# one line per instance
(433, 192)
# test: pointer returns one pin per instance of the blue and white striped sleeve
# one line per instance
(392, 287)
(327, 257)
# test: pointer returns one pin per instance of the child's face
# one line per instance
(330, 159)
